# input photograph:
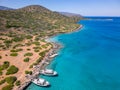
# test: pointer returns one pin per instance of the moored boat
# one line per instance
(40, 82)
(48, 72)
(54, 55)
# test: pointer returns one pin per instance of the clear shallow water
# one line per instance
(90, 59)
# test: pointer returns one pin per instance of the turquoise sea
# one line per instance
(89, 59)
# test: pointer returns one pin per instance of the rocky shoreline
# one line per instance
(47, 59)
(36, 69)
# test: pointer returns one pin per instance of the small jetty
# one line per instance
(48, 72)
(41, 82)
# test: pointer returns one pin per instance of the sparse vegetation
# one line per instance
(27, 27)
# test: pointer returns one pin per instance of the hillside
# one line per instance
(22, 42)
(34, 19)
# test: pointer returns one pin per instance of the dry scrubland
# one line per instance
(19, 58)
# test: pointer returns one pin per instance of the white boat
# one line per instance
(48, 72)
(54, 55)
(40, 82)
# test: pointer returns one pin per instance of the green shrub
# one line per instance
(20, 49)
(36, 50)
(37, 39)
(1, 45)
(48, 44)
(36, 43)
(44, 46)
(39, 60)
(28, 54)
(28, 49)
(0, 57)
(1, 68)
(28, 72)
(17, 45)
(26, 59)
(2, 38)
(27, 44)
(8, 87)
(13, 50)
(42, 53)
(2, 81)
(12, 70)
(29, 36)
(14, 54)
(36, 47)
(7, 45)
(10, 79)
(35, 63)
(17, 83)
(1, 72)
(17, 50)
(43, 40)
(31, 66)
(8, 41)
(4, 66)
(17, 39)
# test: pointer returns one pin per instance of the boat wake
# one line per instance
(102, 19)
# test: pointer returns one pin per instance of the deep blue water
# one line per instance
(90, 58)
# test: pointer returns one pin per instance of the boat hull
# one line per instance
(48, 74)
(37, 82)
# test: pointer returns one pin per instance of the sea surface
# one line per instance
(89, 59)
